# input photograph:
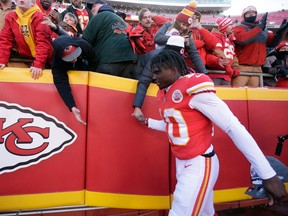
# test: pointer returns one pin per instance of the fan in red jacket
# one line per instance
(202, 38)
(252, 39)
(223, 57)
(23, 26)
(142, 35)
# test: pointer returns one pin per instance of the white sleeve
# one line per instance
(157, 124)
(220, 114)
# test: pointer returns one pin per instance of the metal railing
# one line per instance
(260, 75)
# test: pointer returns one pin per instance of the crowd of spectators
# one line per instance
(31, 29)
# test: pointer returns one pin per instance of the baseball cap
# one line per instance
(176, 43)
(90, 3)
(70, 53)
(175, 40)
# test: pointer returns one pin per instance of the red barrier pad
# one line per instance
(127, 163)
(268, 119)
(42, 145)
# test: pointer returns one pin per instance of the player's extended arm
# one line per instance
(219, 113)
(156, 124)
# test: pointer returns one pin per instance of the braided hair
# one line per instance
(170, 59)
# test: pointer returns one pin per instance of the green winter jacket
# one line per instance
(106, 33)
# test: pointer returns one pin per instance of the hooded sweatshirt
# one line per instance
(60, 67)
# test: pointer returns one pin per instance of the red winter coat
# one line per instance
(204, 41)
(142, 40)
(282, 82)
(251, 44)
(41, 32)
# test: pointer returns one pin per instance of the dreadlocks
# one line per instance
(169, 59)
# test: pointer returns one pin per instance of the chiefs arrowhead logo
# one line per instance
(28, 136)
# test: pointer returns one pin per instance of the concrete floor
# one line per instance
(261, 210)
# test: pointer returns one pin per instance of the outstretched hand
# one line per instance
(76, 113)
(275, 190)
(35, 72)
(138, 115)
(48, 21)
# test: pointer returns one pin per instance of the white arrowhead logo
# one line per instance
(28, 136)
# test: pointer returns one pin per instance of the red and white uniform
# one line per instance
(188, 108)
(190, 133)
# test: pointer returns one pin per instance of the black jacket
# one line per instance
(86, 61)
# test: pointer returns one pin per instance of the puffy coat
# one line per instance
(11, 33)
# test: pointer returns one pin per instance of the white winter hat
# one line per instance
(175, 40)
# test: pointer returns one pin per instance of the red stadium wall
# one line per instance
(126, 162)
(114, 161)
(54, 176)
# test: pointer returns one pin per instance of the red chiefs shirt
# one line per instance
(225, 44)
(83, 18)
(189, 131)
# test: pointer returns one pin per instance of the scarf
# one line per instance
(252, 25)
(24, 21)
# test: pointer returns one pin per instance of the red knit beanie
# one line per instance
(282, 44)
(223, 23)
(186, 14)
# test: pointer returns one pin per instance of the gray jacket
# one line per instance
(161, 39)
